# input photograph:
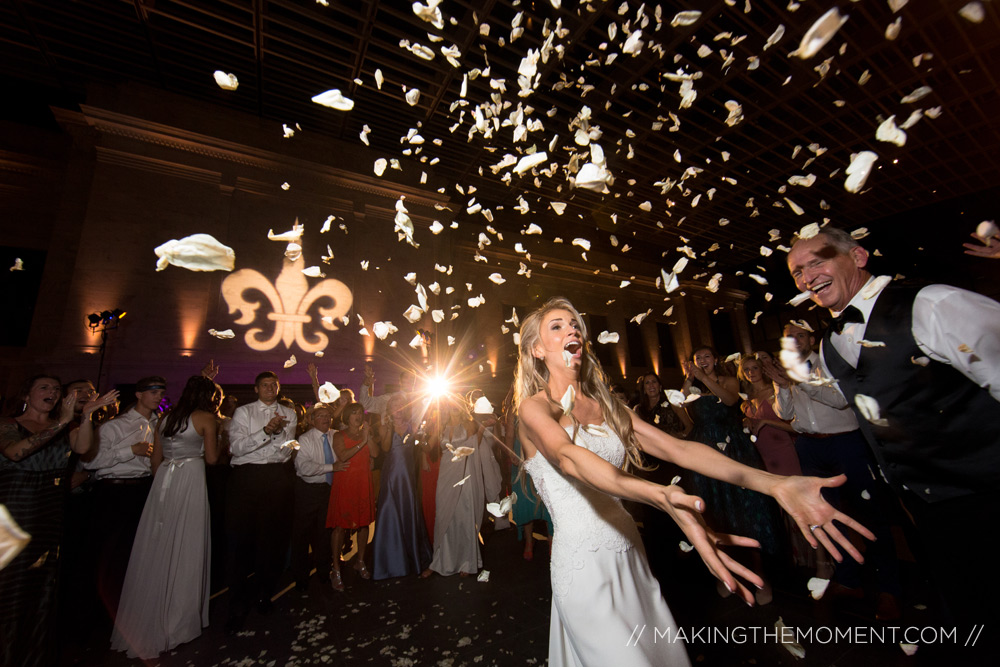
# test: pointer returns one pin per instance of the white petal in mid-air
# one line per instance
(869, 409)
(685, 18)
(198, 252)
(291, 361)
(497, 278)
(858, 171)
(383, 329)
(889, 133)
(334, 99)
(380, 165)
(503, 507)
(328, 393)
(607, 337)
(974, 12)
(226, 81)
(225, 334)
(530, 161)
(821, 32)
(817, 587)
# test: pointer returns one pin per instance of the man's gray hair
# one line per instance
(838, 238)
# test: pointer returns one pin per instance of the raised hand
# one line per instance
(107, 399)
(801, 497)
(210, 370)
(313, 372)
(67, 409)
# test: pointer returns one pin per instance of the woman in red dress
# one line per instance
(352, 497)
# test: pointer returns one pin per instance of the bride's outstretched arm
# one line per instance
(539, 430)
(799, 496)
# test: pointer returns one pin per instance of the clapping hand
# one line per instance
(775, 373)
(276, 424)
(107, 399)
(67, 409)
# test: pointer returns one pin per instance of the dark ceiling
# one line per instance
(286, 51)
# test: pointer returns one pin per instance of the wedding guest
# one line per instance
(164, 601)
(315, 464)
(719, 424)
(401, 547)
(121, 467)
(352, 496)
(430, 464)
(34, 482)
(830, 443)
(257, 522)
(925, 389)
(461, 495)
(774, 435)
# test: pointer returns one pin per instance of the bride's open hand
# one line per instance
(801, 498)
(686, 511)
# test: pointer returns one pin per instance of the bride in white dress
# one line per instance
(606, 605)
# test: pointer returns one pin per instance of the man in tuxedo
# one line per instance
(921, 369)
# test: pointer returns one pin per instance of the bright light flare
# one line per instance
(438, 386)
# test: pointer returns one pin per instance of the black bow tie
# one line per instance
(850, 314)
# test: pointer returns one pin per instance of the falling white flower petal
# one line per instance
(821, 32)
(198, 252)
(226, 81)
(291, 361)
(530, 162)
(858, 171)
(888, 132)
(497, 278)
(870, 410)
(685, 18)
(918, 94)
(225, 334)
(18, 264)
(383, 329)
(413, 314)
(334, 99)
(503, 507)
(974, 12)
(817, 587)
(607, 337)
(328, 393)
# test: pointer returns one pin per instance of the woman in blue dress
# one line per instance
(401, 546)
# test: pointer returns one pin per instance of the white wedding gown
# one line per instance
(606, 605)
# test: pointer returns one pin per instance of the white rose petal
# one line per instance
(226, 81)
(225, 334)
(817, 587)
(821, 32)
(858, 171)
(198, 252)
(568, 399)
(334, 99)
(291, 361)
(607, 337)
(328, 393)
(870, 410)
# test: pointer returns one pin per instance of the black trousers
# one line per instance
(117, 510)
(848, 454)
(258, 508)
(309, 529)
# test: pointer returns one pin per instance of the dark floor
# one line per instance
(452, 621)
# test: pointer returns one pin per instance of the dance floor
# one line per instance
(452, 621)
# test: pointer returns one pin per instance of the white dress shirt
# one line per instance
(950, 325)
(114, 458)
(310, 462)
(814, 409)
(247, 440)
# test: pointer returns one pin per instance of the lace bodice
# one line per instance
(584, 518)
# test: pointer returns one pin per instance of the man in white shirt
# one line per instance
(921, 368)
(121, 466)
(315, 464)
(829, 443)
(259, 498)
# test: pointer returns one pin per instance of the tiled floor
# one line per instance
(460, 621)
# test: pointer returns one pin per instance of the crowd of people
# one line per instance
(753, 461)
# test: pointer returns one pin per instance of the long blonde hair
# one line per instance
(532, 377)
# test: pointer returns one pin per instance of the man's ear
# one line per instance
(860, 257)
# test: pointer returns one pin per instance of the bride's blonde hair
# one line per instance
(532, 377)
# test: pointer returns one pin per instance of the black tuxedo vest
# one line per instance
(942, 439)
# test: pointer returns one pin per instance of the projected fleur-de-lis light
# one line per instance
(290, 299)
